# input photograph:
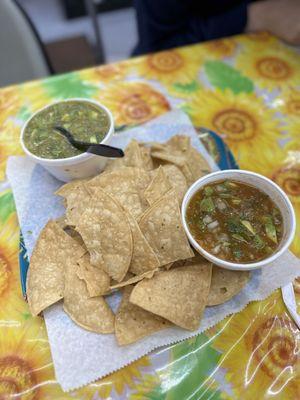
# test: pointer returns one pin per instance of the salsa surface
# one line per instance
(235, 221)
(85, 121)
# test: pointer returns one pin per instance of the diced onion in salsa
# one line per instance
(235, 221)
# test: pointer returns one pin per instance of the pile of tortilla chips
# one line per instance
(122, 231)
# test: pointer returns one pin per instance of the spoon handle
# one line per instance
(105, 150)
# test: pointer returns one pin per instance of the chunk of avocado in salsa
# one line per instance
(86, 121)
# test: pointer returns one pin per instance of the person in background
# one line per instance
(163, 24)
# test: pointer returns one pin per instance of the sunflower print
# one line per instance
(105, 74)
(296, 285)
(9, 103)
(288, 103)
(245, 123)
(271, 68)
(179, 65)
(34, 97)
(12, 304)
(288, 178)
(9, 144)
(220, 48)
(257, 40)
(148, 388)
(118, 382)
(133, 103)
(26, 370)
(260, 351)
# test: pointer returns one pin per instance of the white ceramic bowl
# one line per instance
(78, 167)
(266, 186)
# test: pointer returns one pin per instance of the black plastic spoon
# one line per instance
(98, 149)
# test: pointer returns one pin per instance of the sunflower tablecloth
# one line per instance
(247, 89)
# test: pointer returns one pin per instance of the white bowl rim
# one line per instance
(67, 160)
(227, 264)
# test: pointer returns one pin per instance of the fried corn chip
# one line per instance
(179, 295)
(134, 156)
(135, 279)
(77, 198)
(177, 180)
(225, 284)
(143, 256)
(97, 281)
(91, 313)
(45, 281)
(106, 233)
(157, 187)
(127, 185)
(162, 227)
(133, 323)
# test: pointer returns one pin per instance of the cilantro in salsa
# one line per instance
(235, 221)
(84, 120)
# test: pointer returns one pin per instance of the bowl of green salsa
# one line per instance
(87, 120)
(238, 219)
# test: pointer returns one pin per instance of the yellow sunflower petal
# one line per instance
(133, 102)
(34, 96)
(288, 103)
(259, 350)
(219, 48)
(9, 102)
(249, 128)
(12, 303)
(9, 144)
(26, 369)
(257, 40)
(271, 68)
(288, 178)
(107, 73)
(177, 65)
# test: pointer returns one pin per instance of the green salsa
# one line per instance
(84, 120)
(235, 221)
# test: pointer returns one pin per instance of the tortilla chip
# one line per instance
(127, 185)
(77, 198)
(91, 313)
(162, 227)
(225, 284)
(65, 189)
(74, 235)
(179, 151)
(45, 281)
(61, 222)
(164, 155)
(135, 279)
(147, 159)
(143, 256)
(157, 187)
(177, 180)
(197, 164)
(134, 156)
(97, 281)
(133, 323)
(106, 233)
(179, 295)
(178, 160)
(180, 143)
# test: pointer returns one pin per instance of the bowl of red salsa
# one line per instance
(238, 219)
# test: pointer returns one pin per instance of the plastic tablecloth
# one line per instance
(245, 88)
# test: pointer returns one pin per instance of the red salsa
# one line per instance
(235, 221)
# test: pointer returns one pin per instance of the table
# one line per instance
(246, 88)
